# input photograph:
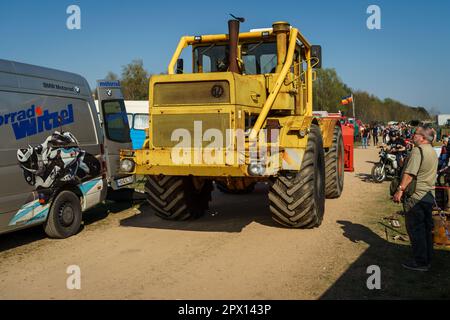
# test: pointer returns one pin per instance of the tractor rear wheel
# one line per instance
(177, 198)
(334, 166)
(297, 200)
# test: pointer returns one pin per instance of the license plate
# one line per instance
(124, 181)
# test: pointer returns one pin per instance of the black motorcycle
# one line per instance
(387, 167)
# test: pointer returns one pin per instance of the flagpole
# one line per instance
(353, 104)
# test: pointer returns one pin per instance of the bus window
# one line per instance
(130, 120)
(140, 121)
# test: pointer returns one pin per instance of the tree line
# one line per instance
(328, 92)
(329, 89)
(134, 80)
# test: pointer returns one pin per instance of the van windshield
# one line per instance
(116, 121)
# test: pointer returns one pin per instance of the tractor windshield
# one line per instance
(258, 58)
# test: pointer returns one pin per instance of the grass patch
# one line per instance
(388, 254)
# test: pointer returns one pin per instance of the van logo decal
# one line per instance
(112, 84)
(35, 120)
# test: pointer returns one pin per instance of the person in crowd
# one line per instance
(386, 135)
(443, 157)
(421, 166)
(397, 146)
(408, 134)
(375, 135)
(365, 136)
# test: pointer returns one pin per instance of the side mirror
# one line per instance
(180, 66)
(316, 56)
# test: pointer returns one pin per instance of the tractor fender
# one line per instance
(327, 126)
(293, 140)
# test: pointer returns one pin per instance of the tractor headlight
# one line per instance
(127, 165)
(256, 169)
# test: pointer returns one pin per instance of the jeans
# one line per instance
(375, 140)
(442, 161)
(419, 225)
(364, 142)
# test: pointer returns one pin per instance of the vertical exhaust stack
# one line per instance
(281, 29)
(233, 34)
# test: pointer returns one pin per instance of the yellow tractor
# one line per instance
(243, 115)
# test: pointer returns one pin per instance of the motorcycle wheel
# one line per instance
(378, 173)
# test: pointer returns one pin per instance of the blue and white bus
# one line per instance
(137, 112)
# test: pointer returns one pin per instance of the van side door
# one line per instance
(116, 129)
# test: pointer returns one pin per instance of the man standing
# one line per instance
(421, 165)
(364, 136)
(375, 135)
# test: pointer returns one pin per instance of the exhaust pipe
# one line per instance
(281, 29)
(233, 34)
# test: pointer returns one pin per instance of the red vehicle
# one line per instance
(348, 132)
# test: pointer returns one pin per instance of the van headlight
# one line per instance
(126, 165)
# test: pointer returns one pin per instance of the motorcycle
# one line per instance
(57, 161)
(442, 185)
(387, 167)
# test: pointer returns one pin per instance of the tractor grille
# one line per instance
(165, 125)
(191, 93)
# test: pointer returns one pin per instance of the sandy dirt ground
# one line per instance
(234, 252)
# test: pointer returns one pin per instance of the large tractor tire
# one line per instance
(177, 198)
(334, 166)
(297, 200)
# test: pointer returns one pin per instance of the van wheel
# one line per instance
(297, 200)
(177, 198)
(334, 166)
(64, 219)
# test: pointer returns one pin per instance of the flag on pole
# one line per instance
(347, 100)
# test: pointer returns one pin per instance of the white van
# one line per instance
(55, 161)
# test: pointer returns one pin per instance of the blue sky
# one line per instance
(408, 59)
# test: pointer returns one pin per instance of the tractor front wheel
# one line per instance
(297, 200)
(177, 198)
